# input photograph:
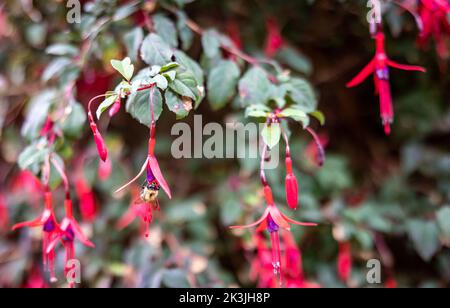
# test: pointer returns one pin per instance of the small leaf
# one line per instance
(125, 10)
(56, 68)
(257, 111)
(154, 51)
(319, 116)
(425, 237)
(222, 83)
(170, 75)
(185, 33)
(296, 115)
(254, 87)
(302, 94)
(73, 124)
(124, 67)
(271, 134)
(175, 104)
(295, 60)
(189, 64)
(169, 67)
(155, 70)
(161, 82)
(62, 50)
(33, 156)
(108, 102)
(211, 43)
(37, 112)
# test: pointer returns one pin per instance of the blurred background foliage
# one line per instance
(384, 197)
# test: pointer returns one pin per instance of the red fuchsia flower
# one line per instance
(35, 280)
(261, 266)
(99, 142)
(379, 66)
(344, 261)
(86, 196)
(50, 231)
(274, 40)
(70, 230)
(4, 216)
(435, 23)
(272, 220)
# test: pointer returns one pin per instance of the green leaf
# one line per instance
(154, 51)
(222, 83)
(295, 60)
(185, 33)
(176, 104)
(187, 63)
(211, 43)
(138, 105)
(55, 68)
(271, 134)
(133, 41)
(257, 111)
(425, 237)
(169, 67)
(33, 156)
(302, 94)
(296, 114)
(125, 10)
(37, 112)
(166, 29)
(443, 219)
(161, 82)
(175, 278)
(254, 87)
(108, 102)
(179, 87)
(61, 49)
(319, 116)
(170, 75)
(73, 124)
(124, 67)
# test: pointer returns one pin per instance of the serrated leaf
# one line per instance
(222, 83)
(211, 43)
(425, 237)
(138, 105)
(254, 87)
(154, 51)
(271, 134)
(108, 102)
(166, 29)
(176, 104)
(133, 41)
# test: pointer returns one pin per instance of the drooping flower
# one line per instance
(70, 230)
(274, 40)
(273, 220)
(4, 216)
(435, 24)
(261, 266)
(86, 196)
(344, 261)
(379, 66)
(291, 185)
(50, 231)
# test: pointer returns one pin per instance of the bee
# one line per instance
(149, 192)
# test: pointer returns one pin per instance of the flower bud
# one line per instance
(291, 185)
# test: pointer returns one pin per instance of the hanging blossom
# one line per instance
(147, 202)
(273, 220)
(274, 41)
(379, 67)
(344, 261)
(52, 232)
(435, 24)
(4, 215)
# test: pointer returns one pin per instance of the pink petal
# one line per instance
(144, 167)
(158, 175)
(369, 69)
(406, 67)
(263, 217)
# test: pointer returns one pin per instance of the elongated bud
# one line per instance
(100, 143)
(291, 185)
(268, 195)
(115, 108)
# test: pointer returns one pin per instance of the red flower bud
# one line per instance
(291, 185)
(115, 108)
(344, 262)
(101, 146)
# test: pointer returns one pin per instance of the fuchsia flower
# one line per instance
(104, 169)
(379, 66)
(50, 231)
(434, 17)
(291, 185)
(86, 196)
(70, 230)
(143, 206)
(272, 220)
(4, 216)
(344, 261)
(274, 40)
